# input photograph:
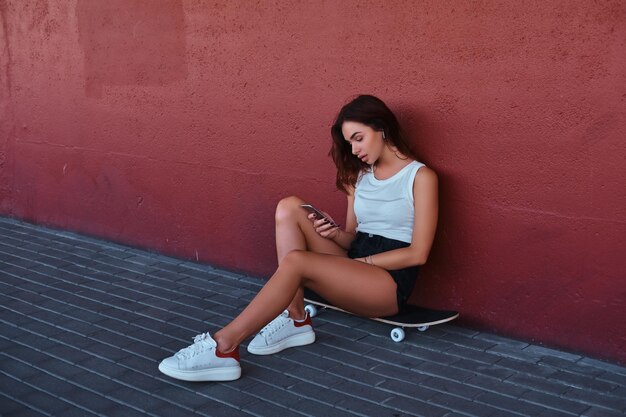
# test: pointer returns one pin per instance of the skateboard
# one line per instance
(411, 317)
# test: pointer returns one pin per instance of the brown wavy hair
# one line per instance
(370, 111)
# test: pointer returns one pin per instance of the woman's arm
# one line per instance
(345, 237)
(425, 196)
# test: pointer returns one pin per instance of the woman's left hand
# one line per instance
(324, 228)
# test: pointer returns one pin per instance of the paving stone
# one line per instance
(601, 412)
(144, 349)
(46, 402)
(85, 322)
(510, 404)
(304, 373)
(80, 327)
(357, 375)
(72, 340)
(17, 369)
(313, 360)
(51, 385)
(616, 378)
(500, 340)
(137, 399)
(277, 395)
(399, 372)
(548, 412)
(473, 354)
(555, 402)
(313, 408)
(592, 398)
(101, 350)
(329, 397)
(122, 410)
(548, 352)
(269, 376)
(435, 369)
(364, 407)
(143, 365)
(363, 391)
(265, 408)
(463, 405)
(404, 388)
(538, 383)
(495, 385)
(394, 358)
(414, 407)
(429, 355)
(451, 387)
(109, 337)
(226, 394)
(93, 382)
(343, 332)
(74, 411)
(494, 371)
(102, 367)
(356, 360)
(9, 407)
(142, 382)
(177, 395)
(582, 381)
(508, 351)
(468, 341)
(335, 342)
(10, 331)
(454, 414)
(518, 365)
(25, 354)
(69, 353)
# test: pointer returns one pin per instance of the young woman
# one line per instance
(368, 268)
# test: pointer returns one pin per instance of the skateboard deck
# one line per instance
(412, 316)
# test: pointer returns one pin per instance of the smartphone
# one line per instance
(318, 213)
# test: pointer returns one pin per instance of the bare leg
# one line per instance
(294, 231)
(354, 286)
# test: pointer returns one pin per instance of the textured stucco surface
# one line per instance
(178, 125)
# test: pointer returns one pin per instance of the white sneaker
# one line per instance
(202, 362)
(281, 333)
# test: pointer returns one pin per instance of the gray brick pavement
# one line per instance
(84, 323)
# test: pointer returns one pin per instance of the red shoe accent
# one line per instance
(304, 322)
(232, 354)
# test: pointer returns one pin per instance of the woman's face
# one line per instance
(367, 143)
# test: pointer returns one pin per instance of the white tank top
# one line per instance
(386, 207)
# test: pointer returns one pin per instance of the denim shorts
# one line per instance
(366, 244)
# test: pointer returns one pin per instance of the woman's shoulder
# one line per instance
(425, 177)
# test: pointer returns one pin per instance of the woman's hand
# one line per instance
(323, 227)
(365, 260)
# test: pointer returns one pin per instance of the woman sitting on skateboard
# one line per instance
(368, 268)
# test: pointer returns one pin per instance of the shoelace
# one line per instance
(201, 343)
(276, 324)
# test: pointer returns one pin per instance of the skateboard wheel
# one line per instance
(397, 335)
(422, 328)
(311, 309)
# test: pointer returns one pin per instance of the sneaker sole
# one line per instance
(301, 339)
(229, 373)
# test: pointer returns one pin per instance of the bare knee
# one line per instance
(288, 208)
(294, 260)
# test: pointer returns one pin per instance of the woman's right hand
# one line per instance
(323, 227)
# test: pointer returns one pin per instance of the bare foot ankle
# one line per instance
(297, 315)
(223, 345)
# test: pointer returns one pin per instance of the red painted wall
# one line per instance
(178, 125)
